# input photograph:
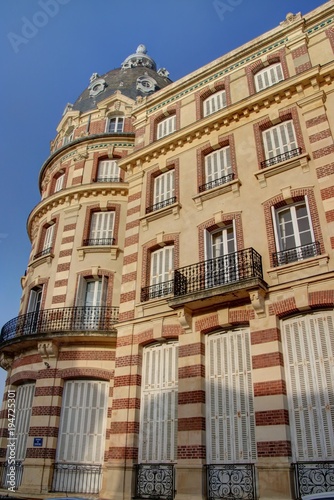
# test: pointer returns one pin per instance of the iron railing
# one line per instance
(313, 477)
(156, 481)
(234, 481)
(46, 251)
(64, 319)
(161, 204)
(77, 478)
(295, 254)
(216, 182)
(158, 290)
(230, 268)
(98, 241)
(11, 475)
(108, 179)
(282, 157)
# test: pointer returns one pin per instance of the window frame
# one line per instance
(264, 72)
(59, 183)
(117, 118)
(95, 230)
(281, 147)
(220, 162)
(213, 101)
(166, 126)
(110, 169)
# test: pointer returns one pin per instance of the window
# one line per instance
(293, 233)
(214, 103)
(115, 125)
(158, 408)
(101, 229)
(33, 310)
(68, 137)
(230, 400)
(268, 76)
(59, 183)
(81, 436)
(90, 301)
(108, 171)
(166, 126)
(221, 263)
(218, 168)
(280, 143)
(308, 343)
(161, 274)
(48, 239)
(163, 191)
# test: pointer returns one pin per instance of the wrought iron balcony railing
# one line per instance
(231, 481)
(77, 478)
(155, 481)
(216, 182)
(46, 251)
(230, 268)
(157, 290)
(61, 319)
(98, 241)
(282, 157)
(296, 254)
(313, 477)
(161, 204)
(108, 179)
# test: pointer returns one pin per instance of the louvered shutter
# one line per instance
(158, 418)
(218, 164)
(24, 400)
(101, 227)
(229, 389)
(214, 103)
(48, 238)
(83, 422)
(166, 126)
(162, 265)
(309, 361)
(108, 169)
(59, 183)
(164, 187)
(268, 76)
(279, 139)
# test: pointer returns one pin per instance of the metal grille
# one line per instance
(280, 158)
(77, 478)
(108, 179)
(216, 182)
(61, 319)
(10, 478)
(295, 254)
(313, 477)
(157, 290)
(155, 481)
(98, 241)
(46, 251)
(231, 481)
(161, 204)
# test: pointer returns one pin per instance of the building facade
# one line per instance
(176, 327)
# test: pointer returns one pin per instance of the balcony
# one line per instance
(62, 319)
(98, 242)
(280, 158)
(108, 179)
(161, 204)
(46, 251)
(296, 254)
(216, 182)
(158, 290)
(225, 278)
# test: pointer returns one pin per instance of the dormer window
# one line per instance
(115, 125)
(68, 137)
(268, 76)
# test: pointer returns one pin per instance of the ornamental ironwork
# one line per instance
(313, 477)
(11, 478)
(157, 290)
(98, 242)
(77, 478)
(216, 182)
(287, 155)
(155, 481)
(108, 179)
(161, 204)
(234, 481)
(64, 319)
(230, 268)
(46, 251)
(295, 254)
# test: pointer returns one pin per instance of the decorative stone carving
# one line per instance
(97, 85)
(291, 18)
(47, 349)
(5, 361)
(185, 319)
(258, 303)
(163, 72)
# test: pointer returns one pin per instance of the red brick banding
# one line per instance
(191, 452)
(269, 388)
(191, 424)
(274, 449)
(267, 360)
(263, 336)
(192, 371)
(191, 397)
(272, 417)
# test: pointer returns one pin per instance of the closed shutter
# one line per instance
(166, 126)
(218, 164)
(158, 418)
(102, 224)
(164, 187)
(279, 139)
(108, 169)
(229, 391)
(24, 400)
(48, 238)
(268, 76)
(83, 422)
(162, 265)
(214, 103)
(59, 183)
(309, 361)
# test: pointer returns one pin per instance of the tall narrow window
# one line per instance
(101, 229)
(309, 360)
(230, 401)
(158, 408)
(59, 183)
(33, 310)
(164, 190)
(268, 76)
(68, 136)
(166, 126)
(115, 125)
(294, 234)
(81, 436)
(280, 142)
(108, 171)
(48, 239)
(91, 301)
(162, 269)
(214, 103)
(222, 263)
(218, 168)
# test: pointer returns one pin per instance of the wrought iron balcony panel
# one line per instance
(227, 269)
(77, 478)
(7, 476)
(158, 290)
(161, 204)
(313, 477)
(108, 179)
(235, 481)
(62, 319)
(155, 481)
(46, 251)
(287, 155)
(296, 254)
(99, 242)
(216, 182)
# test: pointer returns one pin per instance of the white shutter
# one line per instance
(218, 164)
(279, 139)
(101, 226)
(59, 183)
(309, 361)
(268, 76)
(48, 238)
(83, 422)
(162, 265)
(81, 291)
(166, 126)
(108, 169)
(24, 400)
(229, 391)
(158, 415)
(214, 103)
(163, 187)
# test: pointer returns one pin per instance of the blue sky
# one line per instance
(50, 48)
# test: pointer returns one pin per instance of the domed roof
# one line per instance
(136, 77)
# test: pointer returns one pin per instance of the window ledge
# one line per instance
(174, 209)
(112, 249)
(159, 305)
(42, 260)
(298, 270)
(233, 186)
(299, 161)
